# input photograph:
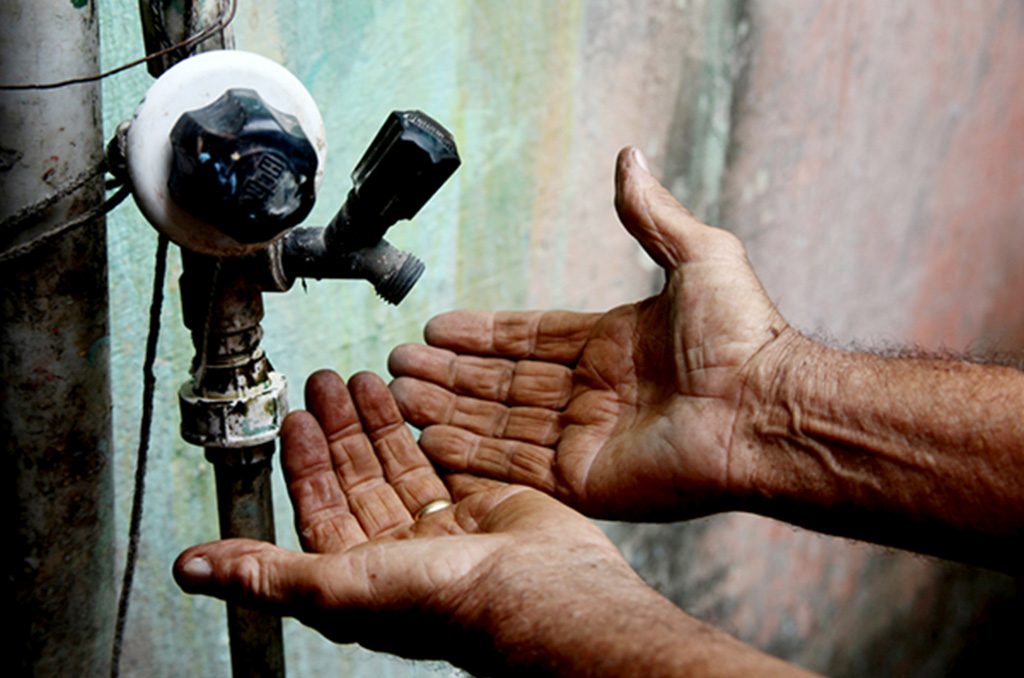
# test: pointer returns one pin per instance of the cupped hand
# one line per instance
(442, 586)
(637, 413)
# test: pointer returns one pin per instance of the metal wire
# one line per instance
(221, 24)
(31, 212)
(86, 217)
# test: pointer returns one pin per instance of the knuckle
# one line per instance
(251, 577)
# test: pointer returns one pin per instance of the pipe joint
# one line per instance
(310, 253)
(253, 417)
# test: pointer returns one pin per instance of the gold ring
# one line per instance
(432, 507)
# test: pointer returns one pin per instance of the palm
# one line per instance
(589, 407)
(373, 571)
(423, 570)
(646, 374)
(629, 414)
(616, 456)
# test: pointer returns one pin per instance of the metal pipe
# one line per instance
(166, 23)
(232, 383)
(58, 562)
(306, 253)
(245, 509)
(233, 407)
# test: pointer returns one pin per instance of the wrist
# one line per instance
(898, 451)
(598, 618)
(564, 615)
(776, 383)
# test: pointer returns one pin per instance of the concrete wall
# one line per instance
(876, 172)
(869, 152)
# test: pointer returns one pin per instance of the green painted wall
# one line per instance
(506, 79)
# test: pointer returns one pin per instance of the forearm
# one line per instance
(920, 453)
(602, 620)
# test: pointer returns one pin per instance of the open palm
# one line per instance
(374, 572)
(628, 414)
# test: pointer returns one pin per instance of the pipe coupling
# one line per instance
(252, 418)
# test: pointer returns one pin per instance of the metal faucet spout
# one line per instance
(307, 253)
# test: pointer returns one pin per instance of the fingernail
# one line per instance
(639, 158)
(197, 568)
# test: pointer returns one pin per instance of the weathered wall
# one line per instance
(539, 95)
(869, 152)
(876, 173)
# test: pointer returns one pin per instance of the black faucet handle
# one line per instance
(243, 166)
(407, 162)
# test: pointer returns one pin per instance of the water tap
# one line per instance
(226, 155)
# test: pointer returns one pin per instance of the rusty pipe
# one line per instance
(233, 406)
(55, 405)
(245, 509)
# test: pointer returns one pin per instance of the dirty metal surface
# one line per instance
(246, 509)
(55, 427)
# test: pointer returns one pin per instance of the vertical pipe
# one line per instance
(223, 308)
(244, 500)
(167, 22)
(245, 508)
(54, 360)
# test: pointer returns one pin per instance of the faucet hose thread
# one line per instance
(395, 286)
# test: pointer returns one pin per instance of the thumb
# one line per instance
(664, 228)
(250, 573)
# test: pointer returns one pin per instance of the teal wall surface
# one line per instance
(504, 78)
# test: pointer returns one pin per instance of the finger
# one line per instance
(322, 516)
(406, 468)
(425, 404)
(371, 499)
(477, 499)
(357, 596)
(522, 382)
(556, 336)
(507, 460)
(664, 228)
(251, 573)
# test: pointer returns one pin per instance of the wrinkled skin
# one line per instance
(589, 407)
(372, 573)
(696, 400)
(585, 407)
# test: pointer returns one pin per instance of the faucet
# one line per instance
(225, 156)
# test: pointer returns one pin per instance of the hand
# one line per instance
(641, 412)
(464, 584)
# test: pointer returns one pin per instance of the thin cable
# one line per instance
(146, 424)
(30, 212)
(221, 24)
(86, 217)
